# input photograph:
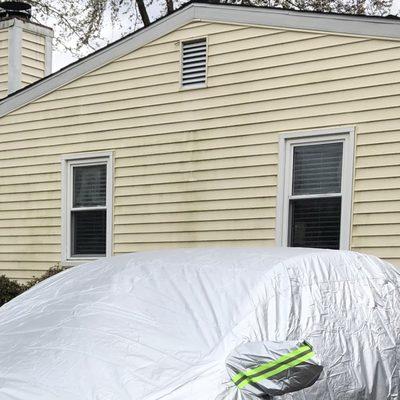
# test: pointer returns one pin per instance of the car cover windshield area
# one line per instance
(198, 323)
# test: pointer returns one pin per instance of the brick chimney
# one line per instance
(25, 47)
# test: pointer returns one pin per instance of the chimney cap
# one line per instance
(19, 9)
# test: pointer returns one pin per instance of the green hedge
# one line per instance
(10, 288)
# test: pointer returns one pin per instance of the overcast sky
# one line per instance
(61, 58)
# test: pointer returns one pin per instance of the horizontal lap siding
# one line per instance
(3, 62)
(376, 227)
(199, 167)
(33, 58)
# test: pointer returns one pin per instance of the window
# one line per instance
(194, 63)
(86, 206)
(314, 205)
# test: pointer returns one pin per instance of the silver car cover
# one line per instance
(162, 325)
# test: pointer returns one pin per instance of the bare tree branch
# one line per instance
(170, 6)
(143, 12)
(79, 24)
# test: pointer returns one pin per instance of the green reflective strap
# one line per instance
(278, 370)
(270, 364)
(267, 370)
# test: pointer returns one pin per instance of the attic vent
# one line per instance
(194, 63)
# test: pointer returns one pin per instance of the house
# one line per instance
(218, 125)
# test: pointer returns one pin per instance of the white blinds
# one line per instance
(317, 168)
(89, 187)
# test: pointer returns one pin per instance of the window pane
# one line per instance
(315, 223)
(90, 184)
(88, 233)
(317, 168)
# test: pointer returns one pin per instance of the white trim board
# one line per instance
(342, 24)
(14, 57)
(303, 20)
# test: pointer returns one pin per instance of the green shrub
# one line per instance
(10, 288)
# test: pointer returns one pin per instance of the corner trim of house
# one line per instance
(48, 57)
(14, 58)
(347, 180)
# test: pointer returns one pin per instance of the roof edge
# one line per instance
(362, 25)
(205, 10)
(96, 60)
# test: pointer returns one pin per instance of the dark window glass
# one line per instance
(89, 233)
(315, 222)
(90, 184)
(317, 168)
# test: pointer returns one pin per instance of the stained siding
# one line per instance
(199, 167)
(3, 62)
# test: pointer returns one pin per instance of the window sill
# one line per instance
(73, 262)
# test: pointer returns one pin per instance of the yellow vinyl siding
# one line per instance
(33, 57)
(199, 167)
(3, 62)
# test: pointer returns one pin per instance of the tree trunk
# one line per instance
(170, 6)
(143, 12)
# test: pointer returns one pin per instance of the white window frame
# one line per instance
(67, 164)
(287, 142)
(195, 85)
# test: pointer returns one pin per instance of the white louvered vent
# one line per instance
(194, 63)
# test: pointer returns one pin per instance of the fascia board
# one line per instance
(333, 23)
